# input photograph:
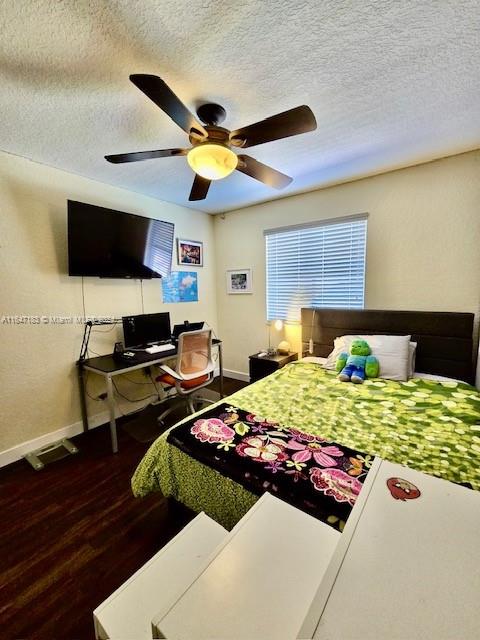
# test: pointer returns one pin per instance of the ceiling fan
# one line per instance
(211, 155)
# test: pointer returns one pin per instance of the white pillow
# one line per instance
(412, 353)
(435, 378)
(392, 353)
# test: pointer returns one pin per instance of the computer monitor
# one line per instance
(146, 329)
(186, 326)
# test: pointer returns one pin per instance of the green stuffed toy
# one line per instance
(359, 364)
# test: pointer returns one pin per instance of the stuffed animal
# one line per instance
(359, 364)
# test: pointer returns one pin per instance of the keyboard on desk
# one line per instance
(145, 355)
(159, 348)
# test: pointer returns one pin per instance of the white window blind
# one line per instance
(321, 265)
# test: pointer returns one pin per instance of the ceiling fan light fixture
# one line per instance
(211, 156)
(212, 161)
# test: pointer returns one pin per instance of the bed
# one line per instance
(430, 425)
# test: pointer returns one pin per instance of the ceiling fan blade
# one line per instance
(199, 188)
(283, 125)
(161, 94)
(145, 155)
(262, 172)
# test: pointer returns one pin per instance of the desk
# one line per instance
(108, 367)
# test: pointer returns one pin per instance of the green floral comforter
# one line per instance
(430, 426)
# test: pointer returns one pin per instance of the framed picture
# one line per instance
(190, 252)
(239, 281)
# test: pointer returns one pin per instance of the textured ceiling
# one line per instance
(391, 82)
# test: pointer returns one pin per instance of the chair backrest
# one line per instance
(194, 354)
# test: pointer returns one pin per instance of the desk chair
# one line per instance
(194, 368)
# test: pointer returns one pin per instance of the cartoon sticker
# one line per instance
(402, 489)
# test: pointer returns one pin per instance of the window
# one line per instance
(315, 265)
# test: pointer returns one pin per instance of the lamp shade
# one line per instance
(283, 348)
(212, 161)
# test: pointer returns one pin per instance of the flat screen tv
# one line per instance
(113, 244)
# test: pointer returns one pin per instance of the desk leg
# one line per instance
(220, 364)
(83, 399)
(111, 408)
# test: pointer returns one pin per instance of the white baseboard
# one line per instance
(236, 375)
(18, 451)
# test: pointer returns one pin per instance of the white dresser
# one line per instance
(402, 569)
(260, 582)
(407, 570)
(127, 614)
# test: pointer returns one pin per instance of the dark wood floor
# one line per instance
(72, 533)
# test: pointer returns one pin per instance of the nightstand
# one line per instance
(261, 366)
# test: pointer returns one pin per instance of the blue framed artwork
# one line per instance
(180, 286)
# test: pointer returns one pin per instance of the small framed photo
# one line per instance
(239, 281)
(190, 252)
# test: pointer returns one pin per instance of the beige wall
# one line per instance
(422, 253)
(38, 392)
(423, 246)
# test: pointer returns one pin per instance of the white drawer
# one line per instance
(261, 581)
(128, 612)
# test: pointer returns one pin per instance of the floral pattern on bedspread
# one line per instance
(311, 473)
(430, 426)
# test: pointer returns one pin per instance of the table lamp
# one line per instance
(278, 325)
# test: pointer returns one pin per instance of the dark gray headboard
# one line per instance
(444, 340)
